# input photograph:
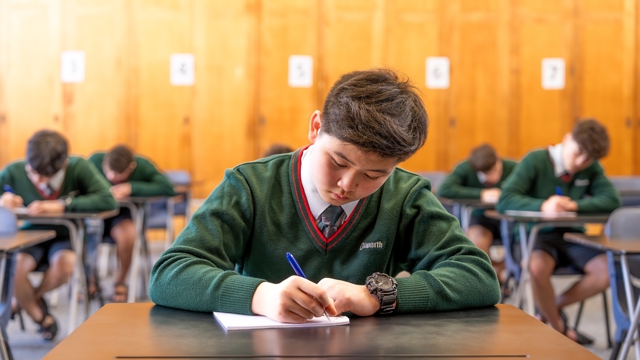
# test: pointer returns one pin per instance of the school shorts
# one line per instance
(109, 223)
(492, 225)
(564, 252)
(43, 252)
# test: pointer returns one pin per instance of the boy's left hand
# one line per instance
(350, 297)
(121, 191)
(45, 207)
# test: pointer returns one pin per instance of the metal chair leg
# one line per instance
(606, 319)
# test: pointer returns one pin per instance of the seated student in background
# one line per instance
(275, 149)
(343, 209)
(128, 175)
(50, 182)
(479, 177)
(564, 177)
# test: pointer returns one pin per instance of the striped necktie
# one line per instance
(330, 220)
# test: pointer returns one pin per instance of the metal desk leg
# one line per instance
(525, 270)
(3, 342)
(78, 281)
(138, 214)
(170, 231)
(465, 216)
(633, 314)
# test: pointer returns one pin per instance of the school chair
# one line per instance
(629, 189)
(512, 256)
(159, 214)
(623, 224)
(435, 177)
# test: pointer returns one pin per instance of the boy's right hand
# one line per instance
(558, 203)
(10, 200)
(490, 196)
(294, 300)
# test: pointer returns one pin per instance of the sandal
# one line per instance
(17, 310)
(50, 331)
(581, 339)
(120, 293)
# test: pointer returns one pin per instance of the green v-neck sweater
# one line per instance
(81, 176)
(463, 182)
(533, 181)
(145, 179)
(259, 212)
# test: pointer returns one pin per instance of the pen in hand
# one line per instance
(558, 191)
(7, 188)
(299, 272)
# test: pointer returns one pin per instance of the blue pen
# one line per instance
(558, 191)
(298, 271)
(7, 188)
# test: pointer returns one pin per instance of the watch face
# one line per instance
(383, 282)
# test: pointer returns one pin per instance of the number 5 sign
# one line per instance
(553, 73)
(72, 66)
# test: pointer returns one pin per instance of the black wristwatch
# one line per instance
(385, 288)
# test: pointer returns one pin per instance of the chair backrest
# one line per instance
(624, 223)
(629, 187)
(435, 177)
(178, 177)
(8, 222)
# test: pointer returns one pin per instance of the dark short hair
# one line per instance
(592, 138)
(483, 158)
(277, 149)
(47, 152)
(118, 159)
(378, 112)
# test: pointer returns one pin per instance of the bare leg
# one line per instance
(23, 290)
(61, 267)
(594, 281)
(541, 267)
(124, 234)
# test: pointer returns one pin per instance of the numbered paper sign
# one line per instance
(182, 70)
(553, 73)
(300, 71)
(72, 66)
(437, 72)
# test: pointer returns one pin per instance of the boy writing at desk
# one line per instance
(480, 178)
(343, 209)
(128, 175)
(46, 183)
(564, 177)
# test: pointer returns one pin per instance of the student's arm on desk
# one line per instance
(604, 197)
(154, 183)
(94, 189)
(447, 271)
(515, 188)
(197, 272)
(453, 186)
(7, 199)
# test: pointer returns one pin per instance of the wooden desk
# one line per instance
(145, 331)
(527, 243)
(8, 245)
(463, 208)
(622, 248)
(74, 221)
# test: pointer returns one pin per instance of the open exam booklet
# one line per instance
(242, 322)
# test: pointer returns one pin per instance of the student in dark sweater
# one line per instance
(480, 177)
(346, 212)
(128, 175)
(571, 167)
(50, 182)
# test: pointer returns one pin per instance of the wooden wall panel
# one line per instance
(96, 113)
(352, 37)
(605, 84)
(413, 32)
(161, 112)
(29, 55)
(542, 116)
(479, 99)
(224, 108)
(287, 28)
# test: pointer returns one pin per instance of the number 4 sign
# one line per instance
(182, 70)
(553, 73)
